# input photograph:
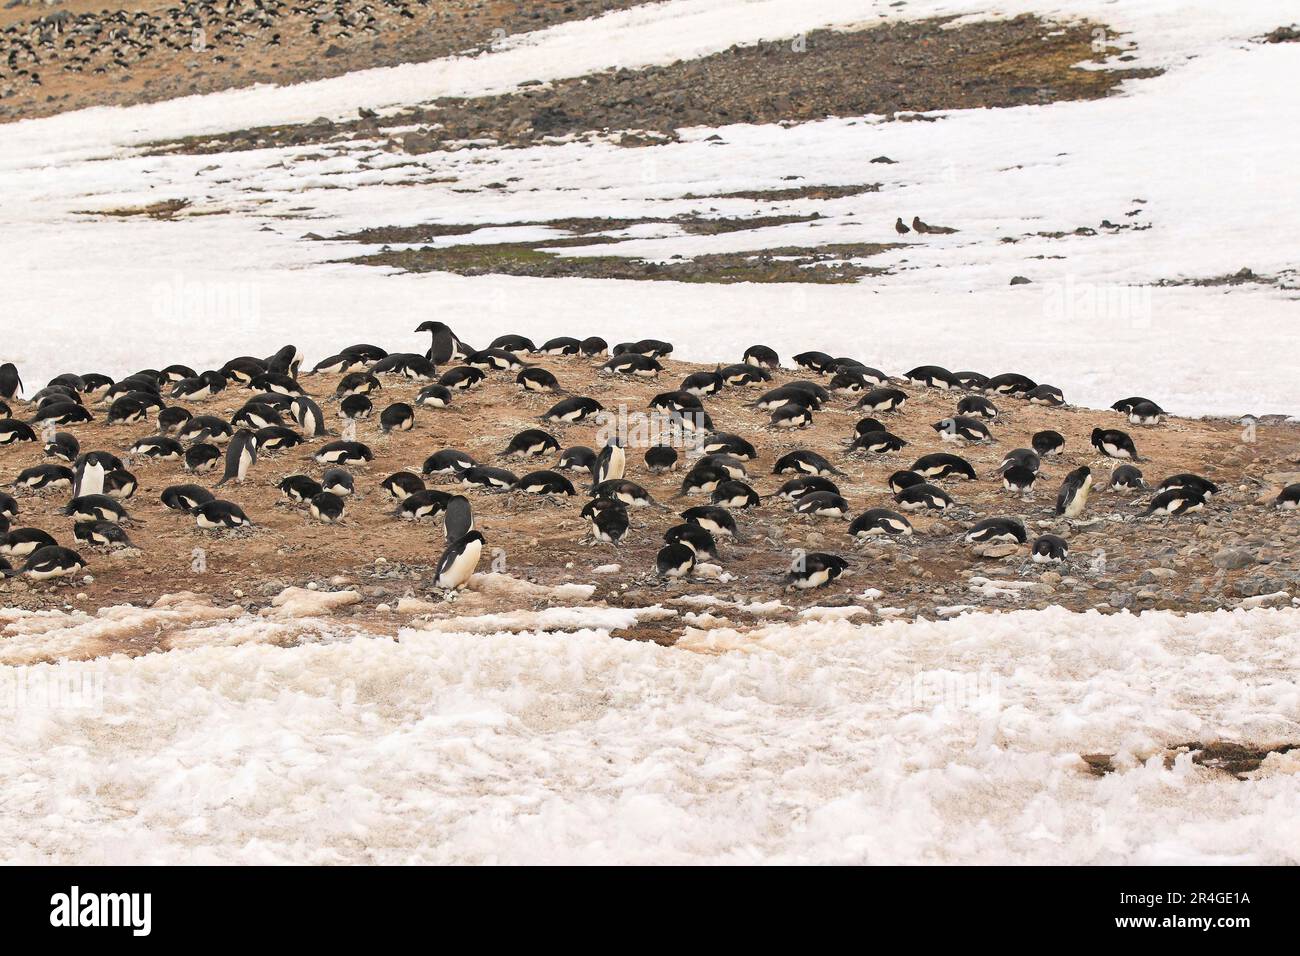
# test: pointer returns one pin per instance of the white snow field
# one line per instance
(1210, 146)
(293, 738)
(824, 742)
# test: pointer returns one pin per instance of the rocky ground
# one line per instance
(894, 69)
(72, 54)
(1238, 552)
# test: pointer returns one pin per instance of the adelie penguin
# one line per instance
(1145, 413)
(95, 508)
(1288, 499)
(45, 478)
(660, 458)
(1175, 501)
(715, 520)
(904, 479)
(938, 465)
(1045, 395)
(962, 428)
(877, 443)
(241, 454)
(462, 378)
(609, 520)
(1127, 478)
(694, 537)
(997, 529)
(427, 503)
(573, 409)
(402, 484)
(91, 469)
(101, 534)
(531, 441)
(628, 492)
(814, 569)
(354, 408)
(494, 360)
(1113, 443)
(52, 561)
(201, 458)
(187, 497)
(731, 445)
(977, 406)
(735, 494)
(932, 376)
(537, 380)
(21, 542)
(675, 561)
(1018, 479)
(1049, 549)
(218, 514)
(1020, 458)
(11, 383)
(883, 400)
(739, 376)
(344, 453)
(545, 483)
(491, 479)
(761, 356)
(1189, 482)
(1011, 383)
(1073, 496)
(560, 345)
(444, 346)
(13, 431)
(63, 446)
(611, 463)
(879, 521)
(434, 396)
(457, 518)
(327, 507)
(822, 504)
(337, 481)
(459, 561)
(796, 488)
(632, 363)
(578, 458)
(803, 461)
(1048, 443)
(923, 497)
(448, 461)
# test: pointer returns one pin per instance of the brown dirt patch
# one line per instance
(540, 539)
(84, 54)
(895, 69)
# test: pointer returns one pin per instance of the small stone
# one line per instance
(1233, 559)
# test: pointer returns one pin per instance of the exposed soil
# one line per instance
(1238, 549)
(895, 69)
(830, 263)
(1232, 758)
(79, 53)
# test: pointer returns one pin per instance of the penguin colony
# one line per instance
(213, 456)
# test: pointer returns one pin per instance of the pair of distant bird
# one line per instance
(922, 228)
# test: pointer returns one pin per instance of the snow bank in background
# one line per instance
(1210, 146)
(822, 742)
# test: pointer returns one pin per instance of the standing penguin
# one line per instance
(241, 454)
(1073, 495)
(90, 471)
(610, 463)
(308, 416)
(10, 381)
(445, 345)
(458, 562)
(457, 518)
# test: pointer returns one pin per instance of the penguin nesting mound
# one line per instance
(344, 526)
